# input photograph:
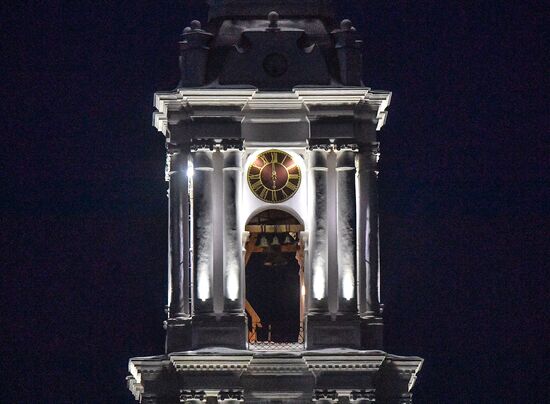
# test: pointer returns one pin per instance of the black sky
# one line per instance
(464, 193)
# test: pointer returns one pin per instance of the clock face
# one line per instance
(274, 176)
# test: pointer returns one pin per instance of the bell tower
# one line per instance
(273, 256)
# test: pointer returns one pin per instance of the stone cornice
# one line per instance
(364, 370)
(210, 363)
(238, 104)
(335, 362)
(240, 360)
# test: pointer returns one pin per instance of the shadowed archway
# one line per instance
(274, 278)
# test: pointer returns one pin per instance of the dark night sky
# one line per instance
(463, 178)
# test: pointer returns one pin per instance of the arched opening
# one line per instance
(275, 291)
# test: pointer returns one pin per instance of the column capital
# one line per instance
(176, 160)
(346, 147)
(232, 144)
(320, 146)
(217, 144)
(318, 159)
(203, 145)
(202, 159)
(345, 159)
(232, 158)
(368, 157)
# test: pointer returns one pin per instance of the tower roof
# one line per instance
(270, 44)
(260, 8)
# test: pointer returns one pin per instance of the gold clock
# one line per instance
(274, 176)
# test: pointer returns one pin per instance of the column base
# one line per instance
(326, 331)
(372, 333)
(228, 331)
(178, 335)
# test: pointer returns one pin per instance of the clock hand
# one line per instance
(274, 175)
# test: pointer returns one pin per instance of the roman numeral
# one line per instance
(264, 159)
(263, 194)
(293, 176)
(285, 195)
(274, 196)
(254, 176)
(291, 186)
(257, 185)
(274, 157)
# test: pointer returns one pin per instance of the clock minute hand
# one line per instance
(274, 175)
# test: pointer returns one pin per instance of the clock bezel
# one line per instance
(297, 184)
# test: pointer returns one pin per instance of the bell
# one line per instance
(263, 242)
(275, 240)
(288, 240)
(278, 260)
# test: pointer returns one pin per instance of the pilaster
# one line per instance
(203, 236)
(319, 229)
(233, 266)
(368, 251)
(178, 241)
(178, 336)
(219, 318)
(346, 231)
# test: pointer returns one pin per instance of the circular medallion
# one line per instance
(274, 176)
(275, 64)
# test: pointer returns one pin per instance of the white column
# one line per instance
(178, 240)
(368, 231)
(217, 231)
(318, 239)
(346, 231)
(233, 266)
(332, 233)
(203, 254)
(304, 246)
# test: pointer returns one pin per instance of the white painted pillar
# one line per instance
(304, 246)
(318, 239)
(178, 240)
(233, 266)
(217, 231)
(203, 254)
(332, 234)
(346, 231)
(368, 254)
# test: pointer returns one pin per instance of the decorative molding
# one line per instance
(347, 146)
(186, 395)
(320, 146)
(325, 396)
(344, 362)
(135, 388)
(362, 396)
(329, 364)
(210, 363)
(231, 396)
(236, 104)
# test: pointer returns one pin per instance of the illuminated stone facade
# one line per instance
(279, 77)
